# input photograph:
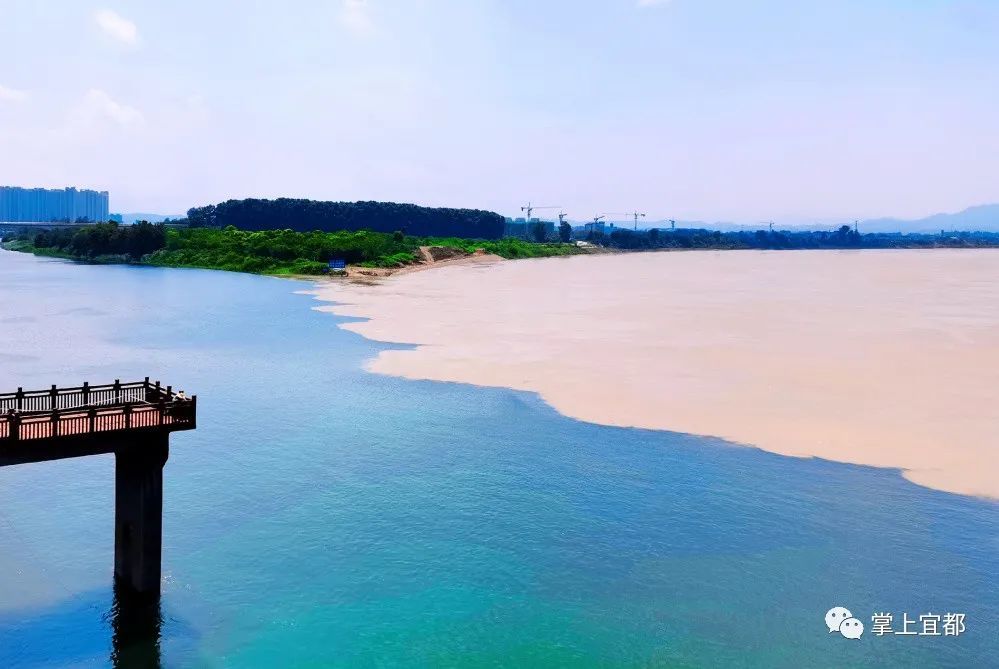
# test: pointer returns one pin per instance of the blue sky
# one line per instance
(693, 109)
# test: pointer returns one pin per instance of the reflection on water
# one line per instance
(99, 628)
(135, 621)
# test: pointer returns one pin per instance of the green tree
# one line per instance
(564, 232)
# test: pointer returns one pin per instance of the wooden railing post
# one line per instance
(20, 398)
(15, 427)
(117, 391)
(128, 416)
(91, 419)
(55, 423)
(86, 392)
(52, 394)
(162, 408)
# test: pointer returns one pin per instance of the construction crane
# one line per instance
(561, 217)
(591, 228)
(636, 214)
(615, 213)
(529, 208)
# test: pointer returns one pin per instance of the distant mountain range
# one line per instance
(982, 217)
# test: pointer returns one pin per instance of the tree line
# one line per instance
(844, 237)
(101, 239)
(308, 215)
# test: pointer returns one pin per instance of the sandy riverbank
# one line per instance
(885, 358)
(428, 260)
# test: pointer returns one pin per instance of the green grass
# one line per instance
(506, 248)
(25, 246)
(400, 259)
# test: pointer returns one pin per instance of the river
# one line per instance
(323, 515)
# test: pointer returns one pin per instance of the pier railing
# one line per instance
(115, 407)
(133, 421)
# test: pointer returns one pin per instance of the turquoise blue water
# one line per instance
(324, 516)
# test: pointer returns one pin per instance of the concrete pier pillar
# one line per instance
(138, 516)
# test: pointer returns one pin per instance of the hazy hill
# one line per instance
(982, 217)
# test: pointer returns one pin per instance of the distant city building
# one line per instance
(524, 229)
(116, 218)
(515, 228)
(40, 205)
(547, 230)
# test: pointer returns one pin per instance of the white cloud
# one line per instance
(95, 121)
(12, 94)
(117, 26)
(652, 3)
(354, 16)
(97, 106)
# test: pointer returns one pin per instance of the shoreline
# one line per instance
(362, 274)
(218, 252)
(772, 369)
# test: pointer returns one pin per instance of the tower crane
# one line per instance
(636, 214)
(529, 208)
(561, 217)
(591, 228)
(615, 213)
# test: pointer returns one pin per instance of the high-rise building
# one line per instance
(529, 229)
(40, 205)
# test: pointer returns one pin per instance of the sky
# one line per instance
(715, 110)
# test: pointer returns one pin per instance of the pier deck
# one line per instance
(131, 420)
(41, 425)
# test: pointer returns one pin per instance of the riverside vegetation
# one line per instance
(259, 251)
(844, 237)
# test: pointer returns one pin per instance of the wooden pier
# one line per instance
(131, 420)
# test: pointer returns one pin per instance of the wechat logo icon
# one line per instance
(839, 619)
